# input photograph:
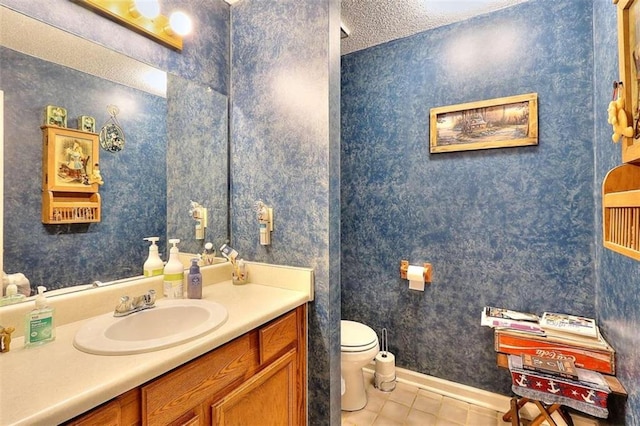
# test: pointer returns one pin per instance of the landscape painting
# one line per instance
(494, 123)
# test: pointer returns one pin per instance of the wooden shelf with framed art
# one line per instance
(621, 186)
(70, 176)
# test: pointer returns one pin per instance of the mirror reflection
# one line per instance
(175, 152)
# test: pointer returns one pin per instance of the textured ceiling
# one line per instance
(373, 22)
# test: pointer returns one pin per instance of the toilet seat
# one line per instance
(356, 337)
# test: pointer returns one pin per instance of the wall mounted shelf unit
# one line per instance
(69, 163)
(628, 17)
(621, 186)
(621, 210)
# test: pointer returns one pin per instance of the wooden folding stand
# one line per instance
(513, 415)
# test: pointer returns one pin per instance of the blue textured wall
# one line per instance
(197, 159)
(508, 227)
(284, 91)
(618, 277)
(134, 193)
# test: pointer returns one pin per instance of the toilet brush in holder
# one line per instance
(385, 375)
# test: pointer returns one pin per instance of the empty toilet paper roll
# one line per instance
(385, 376)
(415, 275)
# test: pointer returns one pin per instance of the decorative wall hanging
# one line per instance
(111, 134)
(55, 116)
(494, 123)
(616, 115)
(629, 62)
(87, 123)
(70, 176)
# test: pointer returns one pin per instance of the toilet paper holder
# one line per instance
(404, 267)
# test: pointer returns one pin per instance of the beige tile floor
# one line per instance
(409, 405)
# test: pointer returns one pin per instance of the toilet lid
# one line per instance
(355, 336)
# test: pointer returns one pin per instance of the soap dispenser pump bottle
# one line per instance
(194, 281)
(39, 324)
(153, 265)
(174, 273)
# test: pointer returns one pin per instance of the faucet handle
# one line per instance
(124, 305)
(150, 298)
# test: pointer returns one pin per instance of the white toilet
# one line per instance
(359, 346)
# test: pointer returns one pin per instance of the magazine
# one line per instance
(509, 319)
(510, 314)
(555, 324)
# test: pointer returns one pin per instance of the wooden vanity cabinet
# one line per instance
(257, 378)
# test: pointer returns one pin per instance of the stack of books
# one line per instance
(553, 335)
(554, 380)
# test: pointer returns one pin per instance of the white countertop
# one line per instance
(56, 382)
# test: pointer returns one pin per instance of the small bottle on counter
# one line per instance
(194, 281)
(174, 273)
(153, 265)
(39, 325)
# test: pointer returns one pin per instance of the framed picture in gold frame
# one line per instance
(69, 157)
(629, 62)
(493, 123)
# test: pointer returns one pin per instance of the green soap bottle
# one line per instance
(39, 326)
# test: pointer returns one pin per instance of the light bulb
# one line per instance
(180, 23)
(150, 9)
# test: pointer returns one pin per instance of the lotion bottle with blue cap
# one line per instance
(194, 280)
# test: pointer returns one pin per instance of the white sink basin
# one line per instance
(171, 322)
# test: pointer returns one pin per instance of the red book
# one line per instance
(599, 358)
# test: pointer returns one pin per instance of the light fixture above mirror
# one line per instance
(145, 17)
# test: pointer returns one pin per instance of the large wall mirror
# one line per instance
(175, 151)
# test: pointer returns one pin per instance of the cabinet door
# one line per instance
(169, 398)
(268, 398)
(277, 336)
(107, 415)
(121, 411)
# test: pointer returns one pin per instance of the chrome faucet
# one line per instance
(128, 306)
